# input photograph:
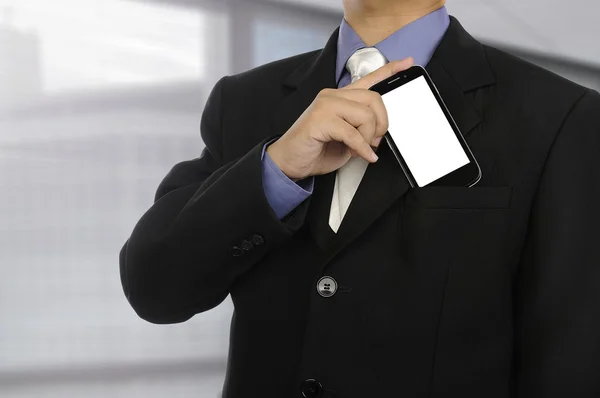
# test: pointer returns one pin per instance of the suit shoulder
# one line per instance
(272, 72)
(545, 100)
(523, 77)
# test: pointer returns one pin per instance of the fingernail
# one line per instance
(374, 157)
(377, 141)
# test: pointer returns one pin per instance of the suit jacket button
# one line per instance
(311, 388)
(247, 246)
(257, 240)
(236, 251)
(327, 286)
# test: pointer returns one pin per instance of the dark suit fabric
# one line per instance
(490, 291)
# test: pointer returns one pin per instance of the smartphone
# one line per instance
(423, 135)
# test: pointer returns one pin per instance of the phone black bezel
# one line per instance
(469, 174)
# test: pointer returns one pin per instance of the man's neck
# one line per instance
(374, 20)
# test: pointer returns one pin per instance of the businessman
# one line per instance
(346, 281)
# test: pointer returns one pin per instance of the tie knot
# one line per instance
(365, 61)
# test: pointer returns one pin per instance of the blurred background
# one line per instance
(98, 100)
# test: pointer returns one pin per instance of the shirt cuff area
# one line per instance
(281, 192)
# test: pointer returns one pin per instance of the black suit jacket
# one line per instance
(490, 291)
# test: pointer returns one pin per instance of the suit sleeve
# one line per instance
(183, 255)
(557, 304)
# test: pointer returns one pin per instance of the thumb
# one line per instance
(382, 73)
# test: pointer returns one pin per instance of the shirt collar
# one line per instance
(418, 39)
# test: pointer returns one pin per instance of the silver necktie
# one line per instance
(349, 176)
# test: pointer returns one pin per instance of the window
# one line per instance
(99, 99)
(275, 39)
(93, 44)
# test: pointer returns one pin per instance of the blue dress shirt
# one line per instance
(418, 39)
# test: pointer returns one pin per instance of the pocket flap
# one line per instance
(442, 197)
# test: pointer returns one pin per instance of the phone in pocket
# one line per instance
(423, 135)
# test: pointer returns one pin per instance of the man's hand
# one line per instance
(338, 125)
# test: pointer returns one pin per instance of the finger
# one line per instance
(342, 131)
(371, 99)
(357, 114)
(360, 116)
(382, 73)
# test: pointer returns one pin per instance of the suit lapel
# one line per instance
(457, 66)
(306, 81)
(460, 108)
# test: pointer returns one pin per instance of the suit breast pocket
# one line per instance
(439, 197)
(454, 223)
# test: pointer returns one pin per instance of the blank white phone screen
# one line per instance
(421, 132)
